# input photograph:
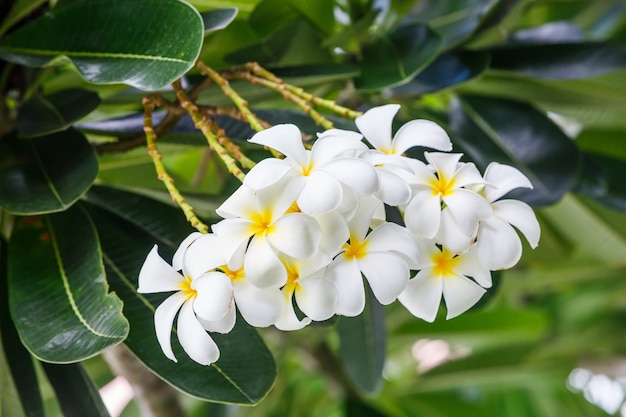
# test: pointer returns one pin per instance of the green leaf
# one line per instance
(245, 371)
(9, 399)
(395, 58)
(143, 43)
(560, 61)
(448, 69)
(77, 393)
(45, 174)
(517, 134)
(48, 114)
(363, 344)
(215, 20)
(18, 364)
(20, 9)
(65, 287)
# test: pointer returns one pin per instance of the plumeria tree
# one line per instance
(312, 207)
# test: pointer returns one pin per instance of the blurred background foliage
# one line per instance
(539, 84)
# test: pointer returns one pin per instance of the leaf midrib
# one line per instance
(87, 54)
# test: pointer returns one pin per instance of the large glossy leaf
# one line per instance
(65, 289)
(516, 134)
(76, 392)
(9, 399)
(19, 10)
(363, 345)
(561, 61)
(245, 371)
(448, 69)
(18, 365)
(58, 111)
(396, 57)
(218, 19)
(144, 43)
(45, 174)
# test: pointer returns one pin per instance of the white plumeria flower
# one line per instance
(376, 125)
(445, 274)
(260, 224)
(260, 307)
(382, 256)
(200, 299)
(445, 185)
(499, 246)
(322, 170)
(315, 295)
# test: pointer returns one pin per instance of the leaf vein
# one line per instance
(86, 54)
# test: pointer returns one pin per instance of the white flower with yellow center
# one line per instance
(443, 273)
(383, 256)
(499, 246)
(443, 183)
(315, 295)
(261, 224)
(202, 299)
(319, 172)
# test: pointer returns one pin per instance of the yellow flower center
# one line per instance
(261, 222)
(306, 171)
(292, 282)
(445, 263)
(355, 249)
(185, 287)
(233, 275)
(294, 208)
(442, 186)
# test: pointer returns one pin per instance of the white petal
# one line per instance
(164, 319)
(276, 199)
(156, 275)
(422, 176)
(223, 325)
(322, 193)
(340, 133)
(446, 164)
(393, 237)
(204, 255)
(262, 266)
(260, 307)
(468, 208)
(387, 275)
(498, 245)
(451, 235)
(241, 203)
(360, 222)
(296, 234)
(288, 321)
(233, 234)
(286, 139)
(317, 298)
(422, 295)
(355, 173)
(466, 175)
(423, 214)
(460, 294)
(268, 172)
(326, 148)
(502, 179)
(195, 341)
(421, 133)
(470, 265)
(214, 295)
(393, 189)
(521, 216)
(349, 203)
(177, 260)
(346, 276)
(334, 232)
(375, 124)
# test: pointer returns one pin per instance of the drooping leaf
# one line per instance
(45, 174)
(20, 9)
(48, 114)
(446, 70)
(10, 404)
(215, 20)
(76, 392)
(396, 57)
(18, 365)
(65, 288)
(113, 41)
(563, 61)
(517, 134)
(603, 180)
(245, 371)
(363, 345)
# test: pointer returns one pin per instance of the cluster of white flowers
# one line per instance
(302, 232)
